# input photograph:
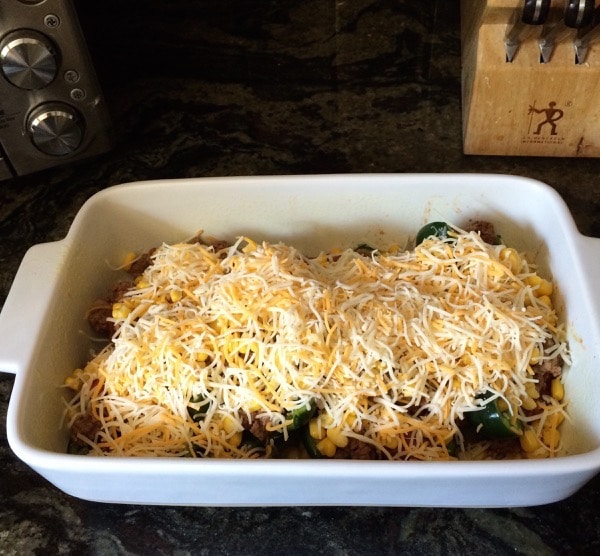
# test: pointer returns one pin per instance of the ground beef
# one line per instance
(545, 372)
(217, 244)
(364, 250)
(257, 426)
(97, 317)
(552, 368)
(119, 289)
(140, 264)
(485, 229)
(504, 448)
(84, 425)
(101, 310)
(357, 449)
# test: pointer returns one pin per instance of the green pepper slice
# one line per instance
(493, 422)
(76, 449)
(198, 407)
(433, 229)
(452, 447)
(301, 416)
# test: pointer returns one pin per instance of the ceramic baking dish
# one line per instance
(41, 339)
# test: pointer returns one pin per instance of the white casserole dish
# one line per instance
(41, 340)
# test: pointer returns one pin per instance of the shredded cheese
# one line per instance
(394, 347)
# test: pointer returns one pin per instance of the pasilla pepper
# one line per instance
(433, 229)
(493, 422)
(302, 415)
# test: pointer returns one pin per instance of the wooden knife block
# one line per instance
(525, 107)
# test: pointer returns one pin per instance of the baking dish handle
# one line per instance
(22, 314)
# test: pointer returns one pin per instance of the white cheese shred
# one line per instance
(394, 348)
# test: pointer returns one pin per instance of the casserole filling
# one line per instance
(449, 350)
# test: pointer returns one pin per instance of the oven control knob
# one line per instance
(55, 129)
(28, 59)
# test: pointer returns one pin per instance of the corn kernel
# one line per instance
(221, 324)
(545, 300)
(120, 311)
(533, 281)
(254, 405)
(248, 347)
(496, 269)
(74, 381)
(550, 436)
(502, 405)
(511, 258)
(249, 246)
(351, 419)
(326, 447)
(540, 453)
(557, 389)
(128, 259)
(236, 439)
(175, 296)
(529, 404)
(337, 437)
(554, 420)
(316, 429)
(141, 283)
(540, 285)
(229, 425)
(535, 356)
(532, 391)
(529, 441)
(545, 288)
(390, 441)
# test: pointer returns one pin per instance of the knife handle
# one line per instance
(579, 13)
(535, 12)
(587, 37)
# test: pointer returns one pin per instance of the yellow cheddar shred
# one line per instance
(394, 347)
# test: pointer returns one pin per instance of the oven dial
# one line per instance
(28, 59)
(55, 129)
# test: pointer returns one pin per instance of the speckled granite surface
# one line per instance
(225, 87)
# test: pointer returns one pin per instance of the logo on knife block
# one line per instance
(543, 124)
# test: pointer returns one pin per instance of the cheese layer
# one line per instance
(394, 347)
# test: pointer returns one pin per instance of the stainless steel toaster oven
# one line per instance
(52, 109)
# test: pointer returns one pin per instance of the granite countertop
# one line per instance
(256, 87)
